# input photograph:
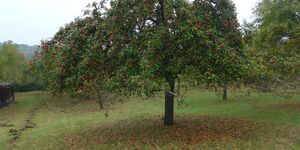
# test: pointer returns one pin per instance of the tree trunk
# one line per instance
(169, 95)
(178, 87)
(100, 99)
(169, 105)
(225, 84)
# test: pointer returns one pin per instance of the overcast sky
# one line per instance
(30, 21)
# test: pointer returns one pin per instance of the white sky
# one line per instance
(30, 21)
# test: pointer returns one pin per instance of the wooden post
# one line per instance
(169, 109)
(13, 95)
(6, 97)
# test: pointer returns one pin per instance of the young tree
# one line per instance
(221, 16)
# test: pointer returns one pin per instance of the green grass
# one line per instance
(205, 122)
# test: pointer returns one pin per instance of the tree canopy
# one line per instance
(201, 38)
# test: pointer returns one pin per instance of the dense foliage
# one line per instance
(78, 60)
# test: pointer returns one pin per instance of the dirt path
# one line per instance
(15, 134)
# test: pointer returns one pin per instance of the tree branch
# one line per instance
(162, 11)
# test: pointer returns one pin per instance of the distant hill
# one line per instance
(27, 50)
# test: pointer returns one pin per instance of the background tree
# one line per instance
(13, 64)
(276, 41)
(220, 15)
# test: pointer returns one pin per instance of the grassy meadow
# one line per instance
(39, 121)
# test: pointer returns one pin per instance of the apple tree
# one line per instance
(162, 40)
